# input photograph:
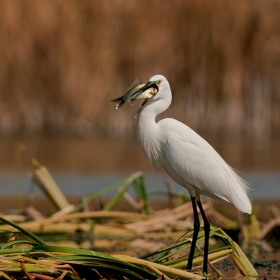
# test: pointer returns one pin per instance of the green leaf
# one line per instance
(17, 242)
(116, 199)
(26, 232)
(97, 194)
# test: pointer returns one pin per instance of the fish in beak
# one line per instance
(146, 92)
(136, 85)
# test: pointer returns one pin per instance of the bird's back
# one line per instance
(193, 163)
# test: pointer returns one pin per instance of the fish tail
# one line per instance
(119, 101)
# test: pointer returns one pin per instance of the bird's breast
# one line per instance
(150, 143)
(152, 151)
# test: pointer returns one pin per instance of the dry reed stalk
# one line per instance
(123, 216)
(120, 244)
(218, 220)
(216, 271)
(160, 213)
(42, 277)
(14, 259)
(130, 199)
(178, 225)
(251, 232)
(169, 271)
(157, 272)
(199, 259)
(242, 262)
(160, 222)
(212, 263)
(5, 275)
(14, 218)
(67, 210)
(268, 227)
(146, 244)
(73, 228)
(34, 213)
(161, 235)
(44, 180)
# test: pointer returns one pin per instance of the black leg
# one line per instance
(206, 239)
(196, 226)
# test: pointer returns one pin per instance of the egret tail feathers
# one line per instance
(246, 205)
(243, 205)
(243, 183)
(233, 189)
(238, 195)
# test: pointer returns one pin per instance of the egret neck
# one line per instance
(148, 132)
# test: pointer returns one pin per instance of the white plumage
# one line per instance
(175, 149)
(187, 158)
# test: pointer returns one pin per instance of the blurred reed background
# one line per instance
(63, 61)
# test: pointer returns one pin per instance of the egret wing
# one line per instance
(194, 160)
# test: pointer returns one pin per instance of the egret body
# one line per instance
(187, 158)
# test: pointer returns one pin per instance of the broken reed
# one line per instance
(34, 258)
(166, 261)
(168, 255)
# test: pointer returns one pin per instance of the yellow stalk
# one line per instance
(6, 276)
(44, 179)
(172, 272)
(247, 266)
(200, 259)
(156, 271)
(238, 263)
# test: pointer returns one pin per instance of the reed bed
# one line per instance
(78, 244)
(59, 68)
(43, 261)
(30, 257)
(73, 225)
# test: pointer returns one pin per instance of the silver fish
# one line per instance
(127, 97)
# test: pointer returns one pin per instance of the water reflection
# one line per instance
(118, 155)
(81, 166)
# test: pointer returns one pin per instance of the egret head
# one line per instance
(157, 95)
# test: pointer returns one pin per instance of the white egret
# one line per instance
(187, 158)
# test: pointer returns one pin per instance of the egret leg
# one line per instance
(196, 226)
(206, 239)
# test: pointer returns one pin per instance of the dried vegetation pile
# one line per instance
(108, 243)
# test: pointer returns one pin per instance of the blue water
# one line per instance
(263, 185)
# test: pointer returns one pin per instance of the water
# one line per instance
(82, 166)
(264, 186)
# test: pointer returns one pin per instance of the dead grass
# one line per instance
(62, 61)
